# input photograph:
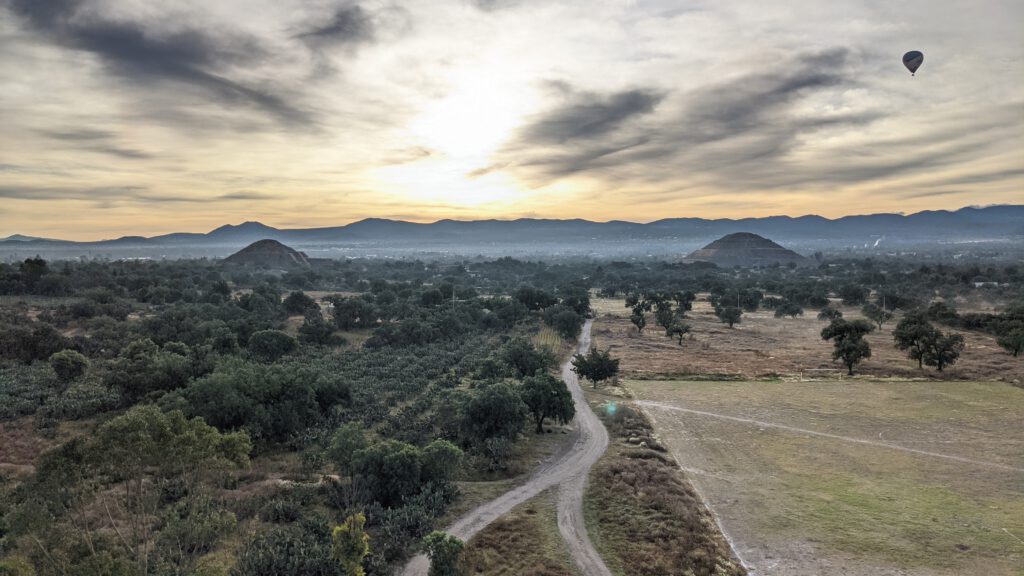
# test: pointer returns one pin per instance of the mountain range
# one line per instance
(1004, 223)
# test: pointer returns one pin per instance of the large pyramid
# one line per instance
(268, 254)
(746, 250)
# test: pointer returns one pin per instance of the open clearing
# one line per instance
(854, 477)
(765, 346)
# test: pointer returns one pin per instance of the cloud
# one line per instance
(93, 140)
(588, 115)
(349, 25)
(738, 131)
(110, 195)
(142, 55)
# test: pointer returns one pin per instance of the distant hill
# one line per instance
(268, 254)
(746, 250)
(929, 230)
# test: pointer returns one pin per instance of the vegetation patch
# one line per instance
(643, 515)
(524, 542)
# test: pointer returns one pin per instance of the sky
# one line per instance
(137, 117)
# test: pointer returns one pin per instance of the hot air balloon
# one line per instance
(912, 60)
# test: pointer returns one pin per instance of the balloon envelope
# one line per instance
(912, 60)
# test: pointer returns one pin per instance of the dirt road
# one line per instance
(568, 468)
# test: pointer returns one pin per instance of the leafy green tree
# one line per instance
(942, 350)
(299, 303)
(316, 330)
(729, 315)
(391, 470)
(853, 294)
(577, 298)
(346, 441)
(444, 551)
(663, 314)
(350, 544)
(494, 411)
(145, 441)
(596, 366)
(525, 359)
(69, 365)
(352, 313)
(143, 367)
(441, 462)
(1012, 340)
(876, 314)
(677, 329)
(848, 341)
(912, 334)
(829, 313)
(270, 345)
(788, 308)
(547, 397)
(535, 298)
(638, 319)
(564, 320)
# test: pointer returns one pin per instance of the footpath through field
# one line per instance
(962, 460)
(568, 468)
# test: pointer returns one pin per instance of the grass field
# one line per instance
(524, 542)
(854, 477)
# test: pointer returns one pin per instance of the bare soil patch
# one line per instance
(763, 346)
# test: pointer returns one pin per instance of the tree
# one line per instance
(677, 329)
(145, 441)
(848, 341)
(912, 334)
(942, 350)
(638, 319)
(441, 462)
(494, 411)
(390, 470)
(564, 320)
(876, 314)
(596, 366)
(729, 315)
(270, 345)
(525, 359)
(788, 308)
(853, 294)
(299, 303)
(547, 397)
(350, 544)
(346, 441)
(535, 298)
(663, 314)
(829, 313)
(1012, 340)
(69, 365)
(316, 330)
(444, 551)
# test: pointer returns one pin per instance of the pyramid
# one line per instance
(745, 250)
(268, 254)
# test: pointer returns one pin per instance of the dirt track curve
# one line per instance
(568, 468)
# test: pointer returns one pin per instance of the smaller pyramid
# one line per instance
(745, 250)
(268, 254)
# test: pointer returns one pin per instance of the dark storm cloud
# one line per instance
(738, 130)
(348, 25)
(589, 115)
(141, 56)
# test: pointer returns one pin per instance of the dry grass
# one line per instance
(643, 515)
(524, 542)
(800, 504)
(763, 346)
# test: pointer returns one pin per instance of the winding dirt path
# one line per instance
(568, 468)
